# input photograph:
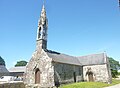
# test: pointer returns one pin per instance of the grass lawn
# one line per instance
(90, 84)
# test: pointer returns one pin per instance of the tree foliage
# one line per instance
(21, 63)
(114, 73)
(114, 65)
(2, 62)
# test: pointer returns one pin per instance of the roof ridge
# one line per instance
(91, 54)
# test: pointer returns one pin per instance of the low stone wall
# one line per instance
(12, 85)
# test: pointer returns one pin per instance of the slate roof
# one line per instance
(3, 69)
(18, 69)
(63, 58)
(93, 59)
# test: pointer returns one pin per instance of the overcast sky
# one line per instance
(75, 27)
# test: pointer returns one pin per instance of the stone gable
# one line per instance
(40, 61)
(100, 73)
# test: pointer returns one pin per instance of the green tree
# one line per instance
(114, 65)
(2, 62)
(21, 63)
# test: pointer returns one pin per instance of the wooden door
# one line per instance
(37, 76)
(90, 77)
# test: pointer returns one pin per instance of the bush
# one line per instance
(2, 62)
(114, 73)
(118, 73)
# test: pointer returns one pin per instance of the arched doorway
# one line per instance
(90, 75)
(37, 76)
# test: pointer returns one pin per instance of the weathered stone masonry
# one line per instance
(48, 68)
(42, 62)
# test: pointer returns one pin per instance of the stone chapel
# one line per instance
(48, 68)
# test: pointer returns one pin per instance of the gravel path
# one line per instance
(115, 86)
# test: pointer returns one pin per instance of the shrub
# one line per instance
(118, 73)
(114, 73)
(2, 62)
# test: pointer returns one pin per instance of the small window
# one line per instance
(39, 33)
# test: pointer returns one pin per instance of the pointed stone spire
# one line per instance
(42, 29)
(43, 14)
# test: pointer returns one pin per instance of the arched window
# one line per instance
(39, 32)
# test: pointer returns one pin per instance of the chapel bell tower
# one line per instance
(42, 30)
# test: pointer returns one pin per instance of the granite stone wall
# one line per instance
(66, 73)
(100, 73)
(40, 61)
(12, 85)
